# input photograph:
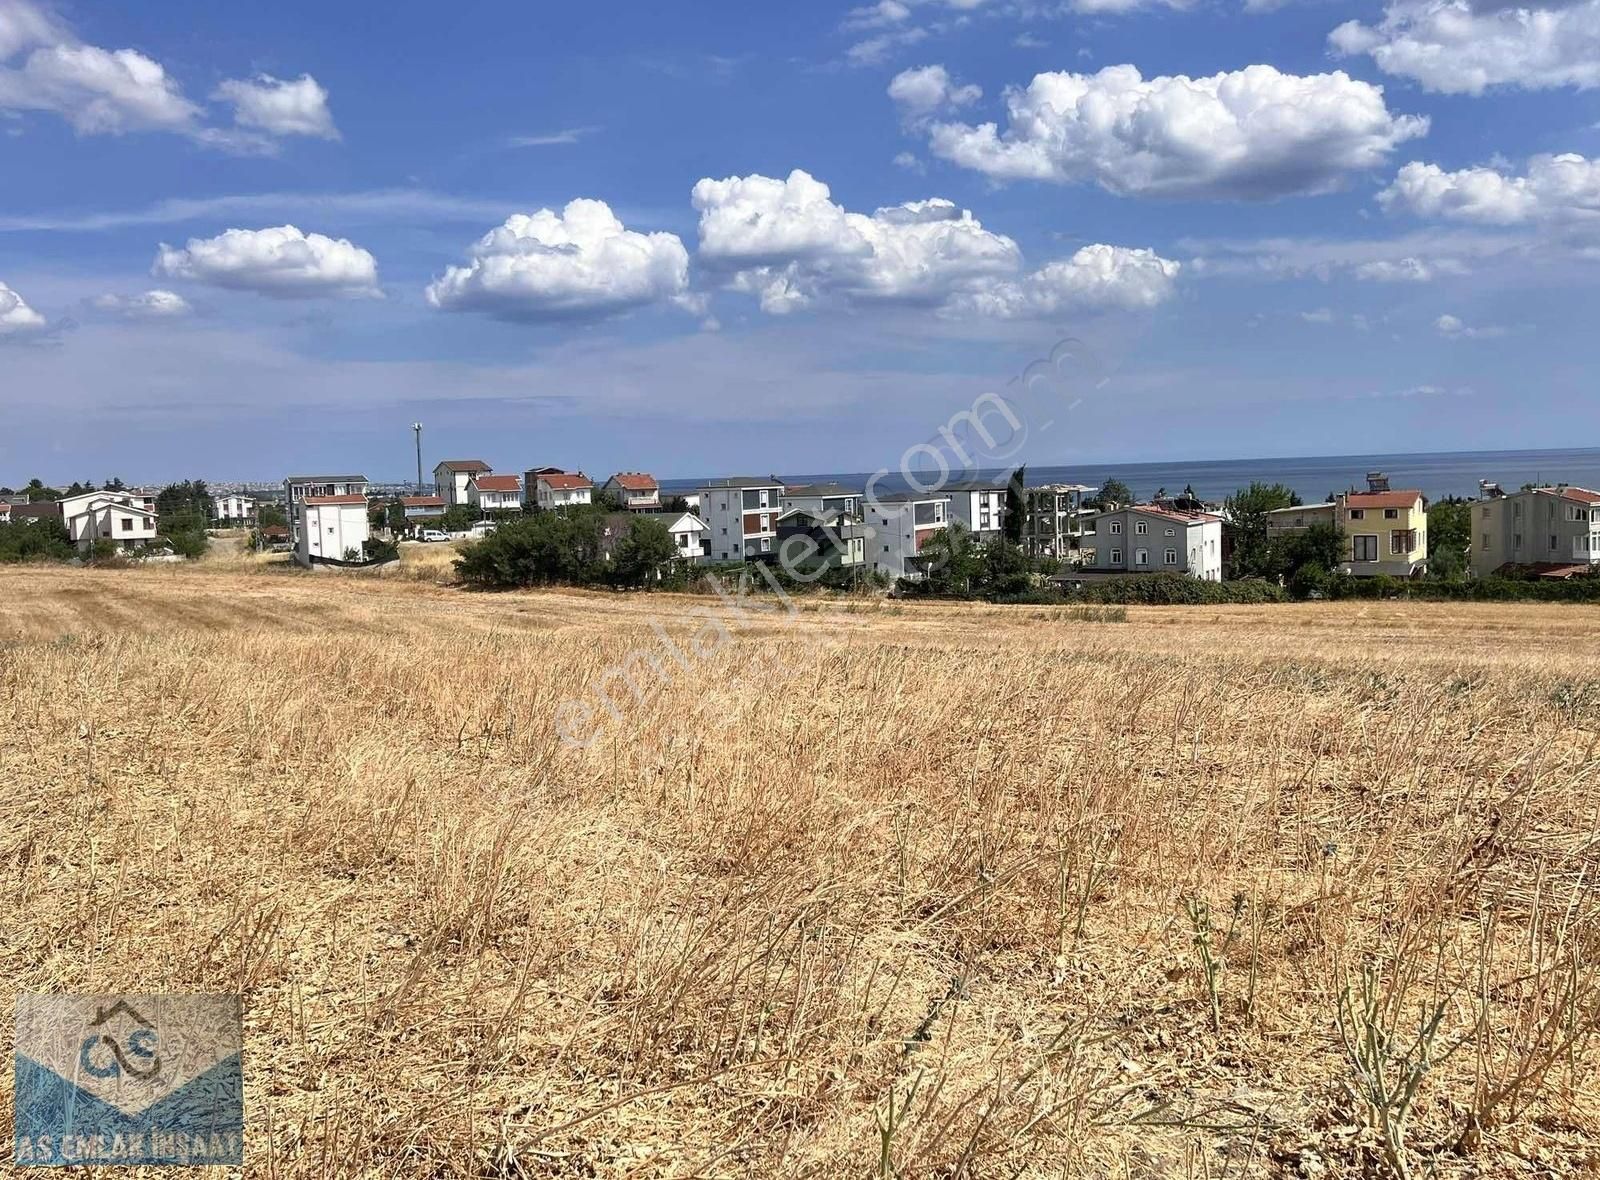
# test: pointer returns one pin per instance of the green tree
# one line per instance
(1112, 493)
(395, 516)
(953, 560)
(270, 514)
(1322, 546)
(1006, 572)
(1449, 538)
(542, 549)
(1016, 510)
(37, 491)
(1253, 555)
(643, 553)
(36, 540)
(183, 510)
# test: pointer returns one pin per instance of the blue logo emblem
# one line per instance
(129, 1080)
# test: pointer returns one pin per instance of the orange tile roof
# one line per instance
(497, 483)
(636, 481)
(1400, 499)
(422, 501)
(1576, 495)
(563, 481)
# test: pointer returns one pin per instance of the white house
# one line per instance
(741, 516)
(108, 516)
(1151, 539)
(495, 493)
(330, 528)
(453, 478)
(297, 487)
(900, 524)
(687, 530)
(559, 489)
(232, 508)
(636, 490)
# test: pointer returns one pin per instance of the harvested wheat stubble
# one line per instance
(911, 890)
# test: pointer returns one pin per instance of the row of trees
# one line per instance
(571, 548)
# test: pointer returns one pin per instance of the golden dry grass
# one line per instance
(910, 889)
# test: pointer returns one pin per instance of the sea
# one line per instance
(1437, 475)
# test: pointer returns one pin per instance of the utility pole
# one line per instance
(416, 428)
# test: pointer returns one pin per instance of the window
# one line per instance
(1141, 557)
(1486, 543)
(724, 532)
(1172, 532)
(1402, 540)
(1485, 512)
(1116, 557)
(766, 544)
(1552, 544)
(1391, 514)
(1116, 528)
(127, 524)
(1516, 540)
(1358, 513)
(1172, 557)
(1141, 527)
(1365, 547)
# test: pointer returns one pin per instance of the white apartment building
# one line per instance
(553, 490)
(741, 516)
(899, 525)
(1553, 531)
(977, 505)
(687, 530)
(330, 527)
(232, 508)
(1150, 539)
(297, 488)
(452, 479)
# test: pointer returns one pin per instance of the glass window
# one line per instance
(1172, 557)
(1365, 547)
(1141, 557)
(1116, 557)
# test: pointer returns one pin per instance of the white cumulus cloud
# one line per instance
(1453, 328)
(45, 67)
(579, 263)
(155, 304)
(1253, 134)
(279, 107)
(791, 245)
(280, 261)
(1563, 187)
(1458, 47)
(16, 317)
(929, 90)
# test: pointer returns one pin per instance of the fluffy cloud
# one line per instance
(1095, 278)
(1254, 134)
(45, 67)
(281, 261)
(1458, 47)
(1452, 328)
(1564, 187)
(1409, 269)
(579, 263)
(279, 107)
(788, 243)
(923, 92)
(152, 305)
(16, 317)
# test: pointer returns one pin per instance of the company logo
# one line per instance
(129, 1080)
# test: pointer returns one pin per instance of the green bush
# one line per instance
(1177, 590)
(36, 540)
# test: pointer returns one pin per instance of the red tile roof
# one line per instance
(635, 481)
(1400, 499)
(326, 500)
(497, 483)
(465, 465)
(561, 481)
(1576, 495)
(422, 501)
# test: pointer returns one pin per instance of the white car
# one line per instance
(433, 535)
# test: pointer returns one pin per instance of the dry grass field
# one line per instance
(903, 889)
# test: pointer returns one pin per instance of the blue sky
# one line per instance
(237, 243)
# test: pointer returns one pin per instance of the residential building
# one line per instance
(552, 490)
(297, 487)
(495, 493)
(1054, 516)
(143, 497)
(741, 513)
(119, 517)
(1385, 530)
(5, 512)
(821, 498)
(422, 510)
(977, 505)
(687, 530)
(331, 528)
(232, 508)
(1551, 531)
(1151, 539)
(636, 491)
(812, 540)
(35, 510)
(453, 477)
(899, 525)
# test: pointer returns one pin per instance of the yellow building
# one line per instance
(1385, 532)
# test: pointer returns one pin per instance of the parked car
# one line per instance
(433, 535)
